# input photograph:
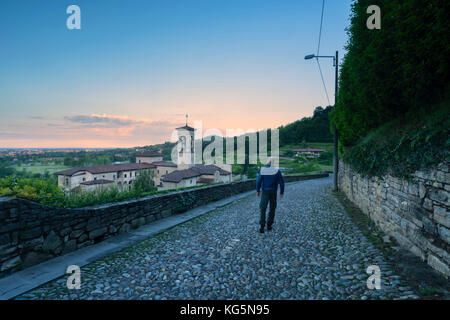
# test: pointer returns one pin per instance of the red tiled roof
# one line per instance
(164, 164)
(195, 171)
(178, 175)
(107, 168)
(209, 169)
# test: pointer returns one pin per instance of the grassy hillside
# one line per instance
(285, 149)
(302, 165)
(41, 168)
(402, 146)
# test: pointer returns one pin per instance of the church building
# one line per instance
(166, 175)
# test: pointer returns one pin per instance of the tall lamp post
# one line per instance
(335, 157)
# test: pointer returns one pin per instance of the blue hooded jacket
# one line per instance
(269, 178)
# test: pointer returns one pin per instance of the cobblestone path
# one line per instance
(314, 252)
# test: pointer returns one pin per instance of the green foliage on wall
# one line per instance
(403, 146)
(187, 202)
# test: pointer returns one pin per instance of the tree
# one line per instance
(6, 171)
(144, 181)
(311, 129)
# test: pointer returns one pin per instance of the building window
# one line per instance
(125, 175)
(114, 177)
(67, 181)
(84, 179)
(103, 176)
(158, 171)
(95, 178)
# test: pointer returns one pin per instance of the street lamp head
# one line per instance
(309, 56)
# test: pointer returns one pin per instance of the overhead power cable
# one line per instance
(323, 81)
(318, 51)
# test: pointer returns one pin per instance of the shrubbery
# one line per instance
(47, 192)
(305, 168)
(144, 182)
(44, 191)
(325, 158)
(103, 195)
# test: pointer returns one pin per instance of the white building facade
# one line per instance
(165, 175)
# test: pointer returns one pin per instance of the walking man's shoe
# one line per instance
(261, 230)
(269, 177)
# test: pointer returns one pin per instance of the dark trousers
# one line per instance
(266, 198)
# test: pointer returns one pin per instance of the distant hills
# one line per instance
(308, 129)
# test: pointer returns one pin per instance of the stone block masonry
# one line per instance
(415, 212)
(31, 233)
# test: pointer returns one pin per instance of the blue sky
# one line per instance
(136, 67)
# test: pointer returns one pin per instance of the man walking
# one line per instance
(268, 179)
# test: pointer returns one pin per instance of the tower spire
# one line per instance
(186, 119)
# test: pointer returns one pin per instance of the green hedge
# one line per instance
(393, 71)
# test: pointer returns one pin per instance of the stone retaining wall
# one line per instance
(415, 213)
(31, 233)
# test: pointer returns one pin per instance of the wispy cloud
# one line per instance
(112, 121)
(113, 126)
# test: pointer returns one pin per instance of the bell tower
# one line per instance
(185, 156)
